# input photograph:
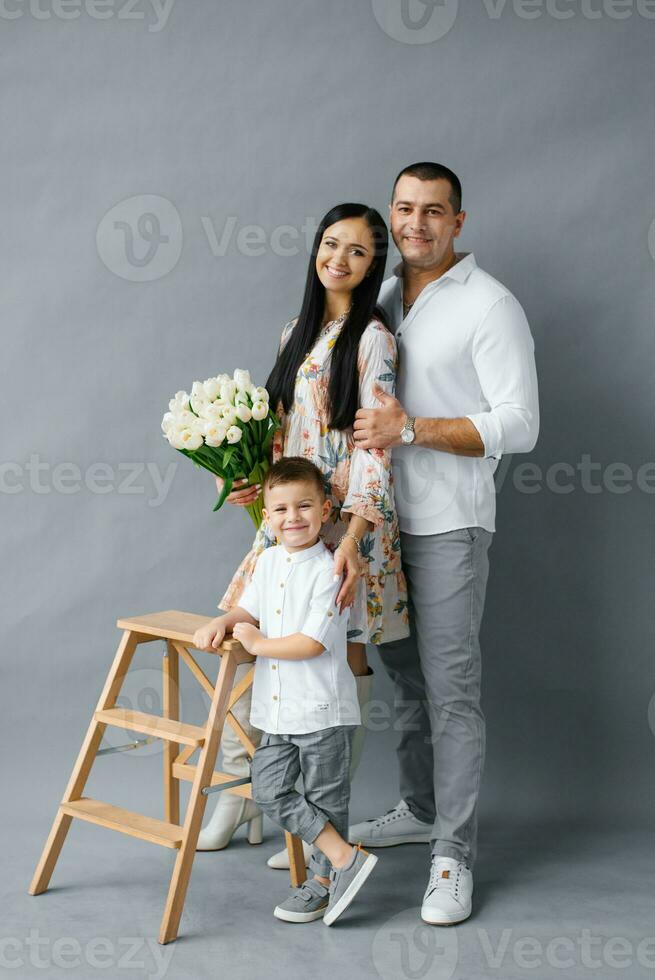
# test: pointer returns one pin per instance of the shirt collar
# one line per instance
(459, 272)
(304, 555)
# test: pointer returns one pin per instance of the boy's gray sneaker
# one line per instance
(346, 882)
(396, 826)
(304, 904)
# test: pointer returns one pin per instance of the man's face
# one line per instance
(423, 223)
(296, 512)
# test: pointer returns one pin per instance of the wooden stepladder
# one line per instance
(181, 741)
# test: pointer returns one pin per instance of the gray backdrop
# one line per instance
(138, 149)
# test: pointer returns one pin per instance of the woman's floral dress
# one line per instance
(357, 481)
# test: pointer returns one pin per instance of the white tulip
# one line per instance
(242, 379)
(212, 411)
(260, 394)
(234, 434)
(244, 413)
(198, 397)
(185, 418)
(212, 388)
(215, 433)
(228, 391)
(185, 438)
(167, 422)
(259, 411)
(179, 402)
(241, 398)
(229, 414)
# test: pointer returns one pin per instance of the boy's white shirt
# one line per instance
(295, 592)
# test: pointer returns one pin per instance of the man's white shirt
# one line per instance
(295, 592)
(465, 350)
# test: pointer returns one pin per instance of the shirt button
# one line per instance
(329, 614)
(275, 697)
(281, 585)
(288, 559)
(278, 611)
(273, 667)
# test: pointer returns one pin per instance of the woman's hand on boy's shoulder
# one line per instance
(347, 567)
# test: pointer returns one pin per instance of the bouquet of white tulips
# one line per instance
(226, 426)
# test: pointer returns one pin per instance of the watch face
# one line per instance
(407, 435)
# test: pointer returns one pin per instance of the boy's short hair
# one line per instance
(294, 469)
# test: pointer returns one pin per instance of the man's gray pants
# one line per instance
(437, 679)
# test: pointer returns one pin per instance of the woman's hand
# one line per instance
(247, 635)
(240, 497)
(347, 563)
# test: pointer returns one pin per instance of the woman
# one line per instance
(329, 359)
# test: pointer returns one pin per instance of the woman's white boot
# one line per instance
(231, 811)
(280, 861)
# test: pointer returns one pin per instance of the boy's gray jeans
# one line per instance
(323, 758)
(437, 677)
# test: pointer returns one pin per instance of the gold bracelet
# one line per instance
(350, 534)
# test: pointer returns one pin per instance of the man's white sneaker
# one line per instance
(447, 898)
(396, 826)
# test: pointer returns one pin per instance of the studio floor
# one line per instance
(550, 901)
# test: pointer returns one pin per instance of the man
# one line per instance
(466, 393)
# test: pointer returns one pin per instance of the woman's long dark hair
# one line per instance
(343, 388)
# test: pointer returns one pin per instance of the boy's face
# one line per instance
(296, 512)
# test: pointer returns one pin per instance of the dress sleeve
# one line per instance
(250, 598)
(286, 333)
(370, 469)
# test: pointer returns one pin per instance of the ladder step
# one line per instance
(125, 821)
(139, 721)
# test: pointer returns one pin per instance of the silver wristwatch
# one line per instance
(407, 433)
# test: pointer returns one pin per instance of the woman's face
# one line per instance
(345, 254)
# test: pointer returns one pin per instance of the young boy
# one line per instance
(304, 693)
